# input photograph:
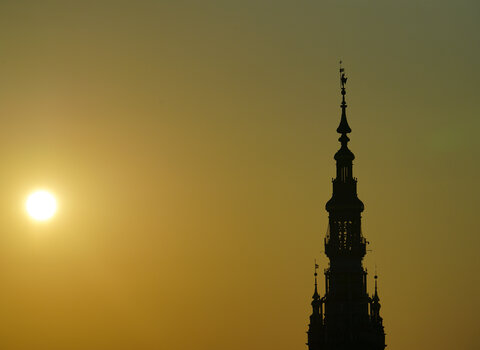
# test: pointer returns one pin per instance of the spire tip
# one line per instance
(343, 128)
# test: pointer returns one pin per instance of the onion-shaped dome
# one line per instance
(344, 154)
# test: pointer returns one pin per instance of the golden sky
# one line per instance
(190, 146)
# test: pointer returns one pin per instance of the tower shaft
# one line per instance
(349, 317)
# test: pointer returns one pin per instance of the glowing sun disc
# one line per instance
(41, 205)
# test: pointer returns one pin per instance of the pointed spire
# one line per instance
(316, 296)
(375, 303)
(316, 302)
(375, 296)
(343, 128)
(316, 318)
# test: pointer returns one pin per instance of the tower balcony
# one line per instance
(342, 246)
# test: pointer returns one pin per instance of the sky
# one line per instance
(190, 147)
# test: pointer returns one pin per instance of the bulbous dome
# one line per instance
(344, 154)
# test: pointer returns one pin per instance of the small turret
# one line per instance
(375, 304)
(316, 302)
(315, 328)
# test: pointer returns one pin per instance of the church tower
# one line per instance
(346, 317)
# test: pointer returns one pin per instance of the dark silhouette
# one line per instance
(346, 317)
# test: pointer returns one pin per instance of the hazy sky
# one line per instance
(190, 145)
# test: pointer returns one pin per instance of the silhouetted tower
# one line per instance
(346, 317)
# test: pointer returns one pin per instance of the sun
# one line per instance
(41, 205)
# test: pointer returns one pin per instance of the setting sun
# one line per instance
(41, 205)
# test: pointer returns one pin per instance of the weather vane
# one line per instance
(343, 78)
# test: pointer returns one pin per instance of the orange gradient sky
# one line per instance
(190, 146)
